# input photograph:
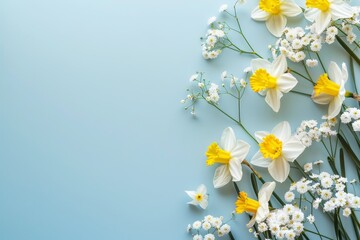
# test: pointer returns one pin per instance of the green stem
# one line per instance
(307, 230)
(349, 51)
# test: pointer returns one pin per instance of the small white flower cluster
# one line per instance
(346, 25)
(210, 48)
(328, 189)
(351, 115)
(233, 81)
(294, 42)
(284, 223)
(309, 131)
(205, 229)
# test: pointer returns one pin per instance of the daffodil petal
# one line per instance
(262, 212)
(276, 24)
(240, 150)
(228, 139)
(272, 98)
(343, 10)
(259, 135)
(260, 161)
(322, 99)
(259, 15)
(290, 9)
(292, 149)
(322, 21)
(286, 82)
(203, 204)
(279, 66)
(266, 191)
(282, 131)
(222, 176)
(251, 222)
(235, 169)
(344, 72)
(279, 169)
(334, 107)
(335, 73)
(311, 14)
(259, 63)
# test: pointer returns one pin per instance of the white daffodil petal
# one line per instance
(266, 191)
(311, 14)
(228, 139)
(262, 212)
(191, 194)
(235, 169)
(334, 107)
(343, 10)
(276, 24)
(272, 98)
(260, 161)
(201, 189)
(292, 149)
(282, 131)
(260, 135)
(279, 169)
(322, 21)
(259, 15)
(259, 63)
(279, 66)
(322, 99)
(344, 72)
(286, 82)
(335, 73)
(203, 204)
(290, 9)
(222, 176)
(251, 222)
(240, 150)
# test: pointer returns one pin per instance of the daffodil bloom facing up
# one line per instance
(330, 88)
(258, 208)
(271, 79)
(322, 12)
(277, 149)
(274, 12)
(199, 197)
(230, 154)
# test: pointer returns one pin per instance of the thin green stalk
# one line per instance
(307, 230)
(348, 50)
(321, 63)
(307, 71)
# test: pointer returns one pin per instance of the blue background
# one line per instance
(94, 143)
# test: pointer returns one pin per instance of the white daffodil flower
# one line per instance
(259, 209)
(274, 12)
(322, 12)
(230, 154)
(271, 79)
(277, 149)
(199, 197)
(332, 91)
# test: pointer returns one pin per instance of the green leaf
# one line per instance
(349, 51)
(349, 151)
(342, 163)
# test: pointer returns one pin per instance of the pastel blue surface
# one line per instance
(93, 141)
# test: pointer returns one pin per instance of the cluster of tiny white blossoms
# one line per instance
(351, 115)
(233, 80)
(211, 46)
(206, 228)
(310, 131)
(328, 190)
(284, 223)
(347, 23)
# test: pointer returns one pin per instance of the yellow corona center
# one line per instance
(271, 147)
(323, 5)
(270, 6)
(324, 85)
(246, 204)
(199, 197)
(261, 80)
(215, 154)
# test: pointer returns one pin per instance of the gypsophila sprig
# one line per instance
(209, 228)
